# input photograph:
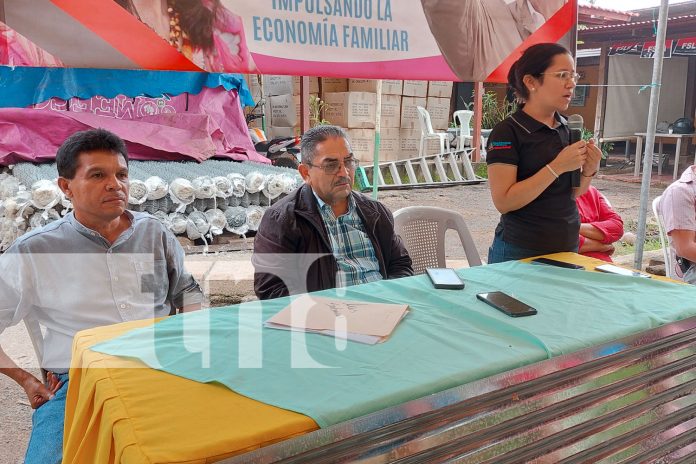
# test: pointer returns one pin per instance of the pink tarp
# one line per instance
(213, 126)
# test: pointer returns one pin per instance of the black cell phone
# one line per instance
(611, 269)
(445, 278)
(507, 304)
(553, 262)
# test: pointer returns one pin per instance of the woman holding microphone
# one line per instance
(530, 160)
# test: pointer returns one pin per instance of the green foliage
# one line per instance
(495, 111)
(606, 147)
(317, 106)
(481, 169)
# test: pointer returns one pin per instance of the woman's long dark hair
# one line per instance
(195, 19)
(534, 61)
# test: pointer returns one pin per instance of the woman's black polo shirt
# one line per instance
(550, 223)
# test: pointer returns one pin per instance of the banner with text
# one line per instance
(466, 40)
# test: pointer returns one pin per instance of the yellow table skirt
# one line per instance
(119, 411)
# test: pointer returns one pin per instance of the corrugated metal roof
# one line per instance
(588, 6)
(636, 24)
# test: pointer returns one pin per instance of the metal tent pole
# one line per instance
(375, 161)
(652, 125)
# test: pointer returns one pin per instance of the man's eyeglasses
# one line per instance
(565, 75)
(333, 166)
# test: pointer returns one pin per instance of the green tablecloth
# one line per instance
(449, 338)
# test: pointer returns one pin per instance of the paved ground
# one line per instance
(228, 277)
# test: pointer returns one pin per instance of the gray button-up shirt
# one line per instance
(70, 278)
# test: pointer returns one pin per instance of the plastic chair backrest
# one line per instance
(424, 119)
(664, 242)
(423, 228)
(462, 119)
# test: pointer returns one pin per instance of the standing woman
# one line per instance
(530, 160)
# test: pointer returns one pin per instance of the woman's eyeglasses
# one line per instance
(565, 75)
(333, 166)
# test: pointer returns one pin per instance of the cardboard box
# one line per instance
(332, 85)
(392, 87)
(409, 113)
(415, 88)
(439, 109)
(253, 83)
(362, 143)
(285, 110)
(410, 140)
(354, 110)
(390, 144)
(287, 85)
(440, 89)
(362, 85)
(391, 111)
(274, 132)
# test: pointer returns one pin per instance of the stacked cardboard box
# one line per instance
(435, 97)
(283, 109)
(355, 110)
(351, 104)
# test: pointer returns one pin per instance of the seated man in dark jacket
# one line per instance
(324, 235)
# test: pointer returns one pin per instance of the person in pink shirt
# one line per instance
(600, 226)
(678, 211)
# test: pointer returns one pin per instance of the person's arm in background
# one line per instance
(278, 264)
(684, 242)
(185, 294)
(37, 393)
(601, 225)
(13, 309)
(677, 211)
(547, 8)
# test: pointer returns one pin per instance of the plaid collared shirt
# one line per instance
(351, 246)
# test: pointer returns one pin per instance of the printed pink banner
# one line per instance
(467, 40)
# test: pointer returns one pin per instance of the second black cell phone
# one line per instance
(553, 262)
(507, 304)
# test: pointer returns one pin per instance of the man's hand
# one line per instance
(37, 392)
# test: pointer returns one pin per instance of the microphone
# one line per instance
(575, 124)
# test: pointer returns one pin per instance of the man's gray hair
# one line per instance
(316, 135)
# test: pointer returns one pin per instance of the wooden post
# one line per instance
(601, 107)
(478, 117)
(304, 104)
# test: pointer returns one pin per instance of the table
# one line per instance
(118, 411)
(659, 136)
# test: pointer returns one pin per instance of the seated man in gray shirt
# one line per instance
(100, 264)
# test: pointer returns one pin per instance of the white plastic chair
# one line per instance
(462, 120)
(427, 133)
(664, 241)
(423, 228)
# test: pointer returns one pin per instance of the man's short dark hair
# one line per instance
(316, 135)
(86, 141)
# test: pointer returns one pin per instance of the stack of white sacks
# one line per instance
(192, 199)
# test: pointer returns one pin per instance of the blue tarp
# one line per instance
(24, 86)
